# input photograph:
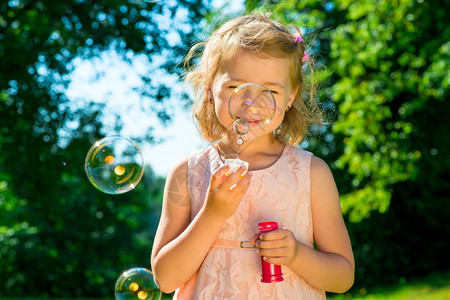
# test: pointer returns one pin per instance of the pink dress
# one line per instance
(278, 193)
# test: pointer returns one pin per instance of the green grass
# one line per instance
(432, 287)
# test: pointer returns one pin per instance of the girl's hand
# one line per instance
(226, 191)
(277, 247)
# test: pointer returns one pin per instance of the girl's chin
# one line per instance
(254, 134)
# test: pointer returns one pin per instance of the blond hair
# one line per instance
(254, 33)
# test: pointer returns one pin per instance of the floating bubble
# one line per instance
(136, 283)
(251, 106)
(114, 165)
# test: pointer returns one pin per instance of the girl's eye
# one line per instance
(272, 91)
(232, 87)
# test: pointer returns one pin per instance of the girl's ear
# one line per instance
(208, 91)
(209, 95)
(292, 96)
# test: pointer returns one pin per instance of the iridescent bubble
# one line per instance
(136, 283)
(251, 106)
(114, 165)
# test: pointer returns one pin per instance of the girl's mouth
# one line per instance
(254, 123)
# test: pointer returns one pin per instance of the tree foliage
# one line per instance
(387, 146)
(58, 235)
(391, 60)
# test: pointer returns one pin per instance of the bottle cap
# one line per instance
(267, 226)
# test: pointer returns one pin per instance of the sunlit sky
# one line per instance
(109, 80)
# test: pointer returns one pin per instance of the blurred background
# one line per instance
(74, 71)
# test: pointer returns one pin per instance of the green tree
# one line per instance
(391, 60)
(58, 235)
(387, 145)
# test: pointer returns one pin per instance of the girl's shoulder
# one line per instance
(299, 151)
(203, 162)
(315, 163)
(320, 171)
(319, 165)
(190, 165)
(298, 156)
(305, 159)
(201, 155)
(179, 168)
(196, 157)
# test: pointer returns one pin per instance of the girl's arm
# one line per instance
(331, 267)
(180, 244)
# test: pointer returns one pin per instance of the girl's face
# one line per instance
(273, 73)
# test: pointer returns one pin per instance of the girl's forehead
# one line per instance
(251, 67)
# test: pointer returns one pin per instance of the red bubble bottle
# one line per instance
(270, 272)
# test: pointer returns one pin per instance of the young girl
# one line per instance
(209, 209)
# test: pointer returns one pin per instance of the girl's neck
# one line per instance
(254, 146)
(259, 153)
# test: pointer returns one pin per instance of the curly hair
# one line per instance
(255, 33)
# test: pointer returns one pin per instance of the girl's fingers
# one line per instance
(278, 238)
(270, 244)
(243, 183)
(275, 260)
(276, 234)
(276, 252)
(233, 178)
(277, 247)
(218, 176)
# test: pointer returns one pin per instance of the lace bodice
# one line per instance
(278, 193)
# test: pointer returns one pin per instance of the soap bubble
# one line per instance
(114, 165)
(251, 106)
(136, 283)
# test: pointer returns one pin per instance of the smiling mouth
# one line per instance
(253, 123)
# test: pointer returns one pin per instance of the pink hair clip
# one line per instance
(305, 57)
(298, 39)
